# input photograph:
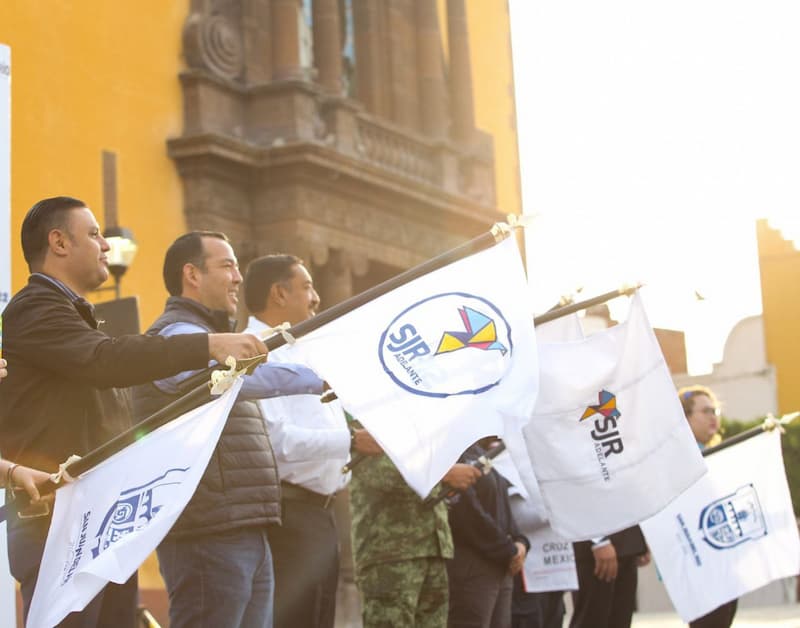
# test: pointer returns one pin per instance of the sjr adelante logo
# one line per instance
(448, 344)
(606, 436)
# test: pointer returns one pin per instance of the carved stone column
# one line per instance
(256, 37)
(285, 39)
(368, 55)
(403, 63)
(327, 45)
(334, 280)
(461, 103)
(430, 71)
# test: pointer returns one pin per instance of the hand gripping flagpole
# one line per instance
(198, 389)
(498, 233)
(216, 382)
(769, 424)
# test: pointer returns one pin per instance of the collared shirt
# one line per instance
(267, 380)
(73, 296)
(310, 439)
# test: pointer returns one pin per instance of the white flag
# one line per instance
(437, 363)
(107, 522)
(731, 532)
(608, 439)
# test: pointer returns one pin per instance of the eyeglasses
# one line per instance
(710, 411)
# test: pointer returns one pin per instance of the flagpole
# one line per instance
(558, 312)
(480, 243)
(196, 397)
(769, 424)
(196, 390)
(551, 315)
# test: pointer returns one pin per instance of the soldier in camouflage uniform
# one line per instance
(400, 546)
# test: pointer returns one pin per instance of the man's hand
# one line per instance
(605, 562)
(3, 371)
(642, 560)
(461, 476)
(518, 559)
(240, 346)
(27, 479)
(364, 444)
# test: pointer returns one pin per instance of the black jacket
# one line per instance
(240, 487)
(481, 519)
(60, 395)
(627, 542)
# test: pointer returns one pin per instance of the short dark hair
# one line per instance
(187, 249)
(262, 273)
(41, 219)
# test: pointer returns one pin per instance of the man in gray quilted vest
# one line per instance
(216, 560)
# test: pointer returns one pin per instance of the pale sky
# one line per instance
(652, 135)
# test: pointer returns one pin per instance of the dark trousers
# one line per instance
(115, 605)
(536, 610)
(480, 591)
(601, 604)
(721, 617)
(305, 556)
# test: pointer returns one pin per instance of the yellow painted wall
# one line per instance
(88, 76)
(489, 25)
(493, 86)
(779, 263)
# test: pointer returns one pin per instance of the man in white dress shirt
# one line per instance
(312, 443)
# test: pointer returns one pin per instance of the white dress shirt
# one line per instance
(310, 439)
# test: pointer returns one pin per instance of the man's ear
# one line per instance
(190, 275)
(58, 242)
(277, 294)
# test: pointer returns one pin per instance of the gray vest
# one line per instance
(240, 487)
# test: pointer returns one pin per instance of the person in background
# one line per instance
(703, 414)
(607, 579)
(489, 550)
(400, 546)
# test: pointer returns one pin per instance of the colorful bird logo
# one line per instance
(480, 333)
(607, 406)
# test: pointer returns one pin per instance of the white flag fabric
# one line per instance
(608, 439)
(108, 521)
(437, 363)
(732, 532)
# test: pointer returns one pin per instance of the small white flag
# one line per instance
(437, 363)
(608, 440)
(108, 521)
(731, 532)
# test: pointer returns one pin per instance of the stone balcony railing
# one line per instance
(397, 151)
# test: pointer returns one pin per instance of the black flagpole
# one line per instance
(766, 426)
(484, 241)
(558, 312)
(196, 390)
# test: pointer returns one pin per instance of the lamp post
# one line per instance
(120, 256)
